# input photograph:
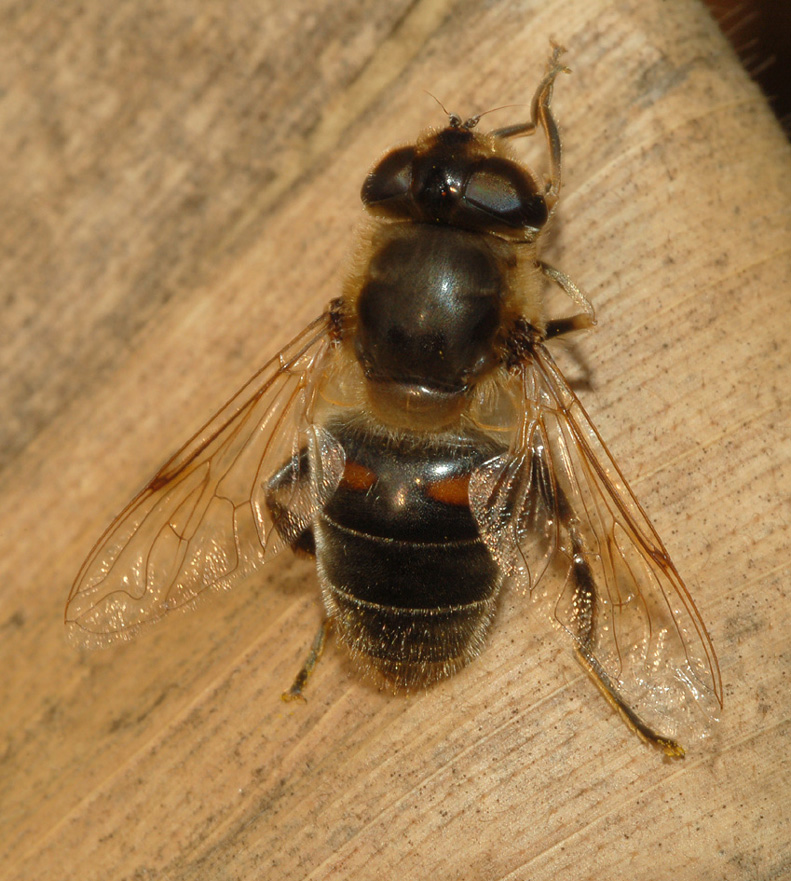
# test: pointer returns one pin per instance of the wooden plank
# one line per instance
(180, 190)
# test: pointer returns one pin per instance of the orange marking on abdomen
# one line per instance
(357, 477)
(451, 491)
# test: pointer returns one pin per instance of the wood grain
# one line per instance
(180, 190)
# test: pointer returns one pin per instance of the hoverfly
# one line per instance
(419, 441)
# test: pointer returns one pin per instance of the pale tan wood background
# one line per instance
(179, 190)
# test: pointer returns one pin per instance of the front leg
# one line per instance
(541, 114)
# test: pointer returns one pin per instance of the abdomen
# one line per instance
(404, 573)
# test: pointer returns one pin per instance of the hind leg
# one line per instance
(584, 607)
(301, 679)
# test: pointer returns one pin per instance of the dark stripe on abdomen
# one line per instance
(403, 573)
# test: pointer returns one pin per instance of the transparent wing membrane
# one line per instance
(203, 522)
(557, 503)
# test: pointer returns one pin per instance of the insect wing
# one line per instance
(203, 521)
(557, 503)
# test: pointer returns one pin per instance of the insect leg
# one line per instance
(670, 747)
(571, 290)
(301, 679)
(284, 499)
(562, 326)
(584, 606)
(540, 114)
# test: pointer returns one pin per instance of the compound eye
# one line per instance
(506, 194)
(387, 188)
